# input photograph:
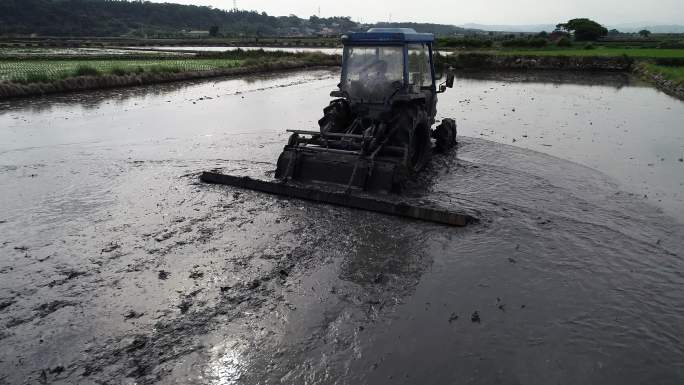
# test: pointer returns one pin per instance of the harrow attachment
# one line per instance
(340, 159)
(353, 200)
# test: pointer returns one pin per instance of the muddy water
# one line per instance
(116, 263)
(611, 123)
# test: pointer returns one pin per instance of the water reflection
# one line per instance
(225, 366)
(92, 100)
(382, 255)
(617, 80)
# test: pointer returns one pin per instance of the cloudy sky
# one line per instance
(472, 11)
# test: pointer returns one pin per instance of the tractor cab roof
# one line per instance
(388, 35)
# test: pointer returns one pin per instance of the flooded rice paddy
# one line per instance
(328, 51)
(115, 262)
(40, 52)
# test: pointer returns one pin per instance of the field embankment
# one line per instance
(669, 79)
(24, 73)
(20, 78)
(664, 68)
(496, 61)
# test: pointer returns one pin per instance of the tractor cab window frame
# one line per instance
(419, 66)
(370, 72)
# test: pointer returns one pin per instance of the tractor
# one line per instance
(374, 136)
(377, 132)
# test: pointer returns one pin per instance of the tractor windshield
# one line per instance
(373, 73)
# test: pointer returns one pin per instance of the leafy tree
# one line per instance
(213, 30)
(564, 42)
(528, 43)
(543, 35)
(584, 29)
(453, 42)
(613, 32)
(645, 33)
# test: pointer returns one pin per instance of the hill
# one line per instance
(118, 18)
(437, 29)
(115, 18)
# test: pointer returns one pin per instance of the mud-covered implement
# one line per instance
(374, 135)
(339, 159)
(397, 208)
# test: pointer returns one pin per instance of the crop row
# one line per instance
(25, 70)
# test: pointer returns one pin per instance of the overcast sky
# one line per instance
(472, 11)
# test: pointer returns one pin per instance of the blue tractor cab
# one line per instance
(382, 63)
(378, 129)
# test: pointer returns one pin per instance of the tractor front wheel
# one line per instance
(445, 135)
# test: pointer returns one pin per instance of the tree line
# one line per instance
(119, 18)
(137, 18)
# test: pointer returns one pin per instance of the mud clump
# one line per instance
(163, 275)
(109, 248)
(69, 276)
(196, 274)
(380, 278)
(6, 304)
(500, 305)
(184, 306)
(132, 314)
(453, 317)
(48, 308)
(138, 343)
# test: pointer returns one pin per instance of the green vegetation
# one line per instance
(583, 29)
(564, 42)
(645, 33)
(464, 43)
(675, 74)
(46, 69)
(525, 43)
(30, 71)
(638, 53)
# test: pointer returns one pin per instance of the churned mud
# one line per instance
(118, 266)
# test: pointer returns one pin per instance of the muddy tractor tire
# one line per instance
(421, 146)
(445, 135)
(413, 131)
(336, 117)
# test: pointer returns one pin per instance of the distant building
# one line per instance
(557, 35)
(196, 33)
